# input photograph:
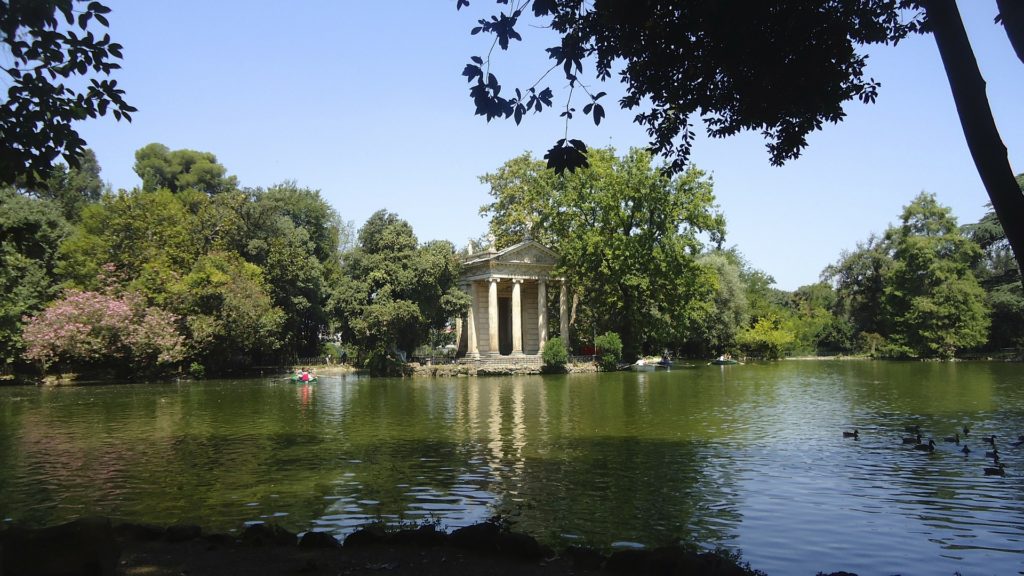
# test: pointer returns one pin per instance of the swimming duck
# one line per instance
(989, 439)
(993, 453)
(966, 450)
(966, 430)
(929, 447)
(854, 434)
(999, 470)
(913, 439)
(954, 438)
(1019, 442)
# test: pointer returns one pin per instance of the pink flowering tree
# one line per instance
(95, 329)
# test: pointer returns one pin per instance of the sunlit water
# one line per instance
(747, 457)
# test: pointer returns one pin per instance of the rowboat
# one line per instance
(646, 366)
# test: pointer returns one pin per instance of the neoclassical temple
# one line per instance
(509, 292)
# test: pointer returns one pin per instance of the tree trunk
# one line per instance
(976, 119)
(1011, 12)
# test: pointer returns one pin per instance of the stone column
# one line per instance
(517, 317)
(492, 316)
(471, 349)
(542, 314)
(458, 335)
(563, 313)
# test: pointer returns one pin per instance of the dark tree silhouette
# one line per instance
(780, 67)
(979, 126)
(50, 43)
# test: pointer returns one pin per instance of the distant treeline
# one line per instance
(191, 273)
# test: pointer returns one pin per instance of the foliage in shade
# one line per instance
(781, 68)
(998, 274)
(71, 188)
(30, 235)
(52, 49)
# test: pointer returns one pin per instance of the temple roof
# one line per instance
(528, 259)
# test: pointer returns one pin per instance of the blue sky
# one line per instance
(364, 101)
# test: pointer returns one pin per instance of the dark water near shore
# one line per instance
(747, 457)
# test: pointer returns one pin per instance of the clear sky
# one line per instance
(364, 101)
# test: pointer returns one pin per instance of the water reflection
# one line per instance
(751, 457)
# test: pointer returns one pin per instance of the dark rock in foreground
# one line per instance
(92, 546)
(85, 546)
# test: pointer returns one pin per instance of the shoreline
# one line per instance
(96, 545)
(428, 370)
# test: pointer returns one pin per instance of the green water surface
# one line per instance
(748, 457)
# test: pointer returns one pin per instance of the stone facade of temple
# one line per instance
(509, 290)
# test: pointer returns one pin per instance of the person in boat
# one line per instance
(304, 375)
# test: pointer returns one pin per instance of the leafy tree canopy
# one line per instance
(31, 231)
(394, 291)
(73, 188)
(781, 68)
(627, 235)
(179, 170)
(728, 310)
(50, 43)
(915, 286)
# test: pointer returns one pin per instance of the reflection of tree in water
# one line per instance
(603, 490)
(551, 461)
(406, 481)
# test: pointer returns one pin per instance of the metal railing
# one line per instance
(433, 360)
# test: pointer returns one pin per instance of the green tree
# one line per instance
(780, 68)
(149, 236)
(38, 112)
(394, 291)
(728, 309)
(935, 302)
(816, 330)
(31, 231)
(229, 312)
(999, 275)
(608, 347)
(858, 279)
(768, 338)
(294, 235)
(627, 236)
(72, 188)
(178, 170)
(555, 355)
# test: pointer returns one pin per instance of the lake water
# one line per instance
(747, 457)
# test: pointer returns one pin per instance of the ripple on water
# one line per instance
(750, 458)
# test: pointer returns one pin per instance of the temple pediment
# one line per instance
(527, 259)
(528, 252)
